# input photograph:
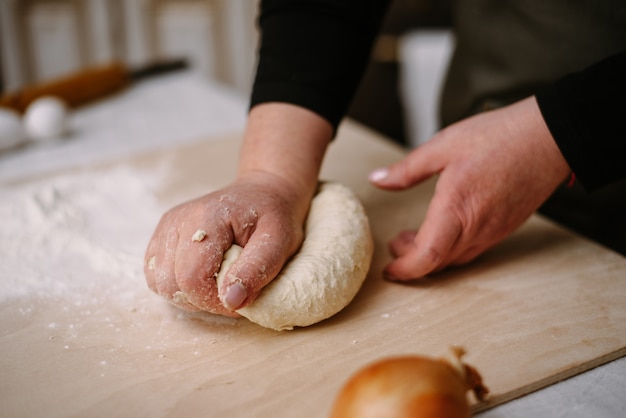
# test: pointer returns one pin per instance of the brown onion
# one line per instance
(410, 386)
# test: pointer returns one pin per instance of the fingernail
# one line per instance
(378, 174)
(235, 295)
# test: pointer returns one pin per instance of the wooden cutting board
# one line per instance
(542, 306)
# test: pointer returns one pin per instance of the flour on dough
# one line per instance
(325, 274)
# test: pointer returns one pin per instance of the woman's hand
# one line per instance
(263, 211)
(255, 212)
(495, 169)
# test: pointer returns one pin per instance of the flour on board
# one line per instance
(76, 235)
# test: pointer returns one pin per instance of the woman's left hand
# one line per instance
(495, 169)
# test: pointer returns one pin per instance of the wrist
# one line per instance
(287, 142)
(546, 148)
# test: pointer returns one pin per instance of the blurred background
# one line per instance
(44, 39)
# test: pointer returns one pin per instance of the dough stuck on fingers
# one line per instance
(152, 263)
(326, 273)
(179, 298)
(199, 235)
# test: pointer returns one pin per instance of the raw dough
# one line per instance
(325, 274)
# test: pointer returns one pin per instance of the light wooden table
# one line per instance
(93, 341)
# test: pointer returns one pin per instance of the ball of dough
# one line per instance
(46, 118)
(325, 274)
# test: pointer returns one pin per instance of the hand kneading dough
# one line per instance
(325, 274)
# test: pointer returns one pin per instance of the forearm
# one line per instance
(287, 142)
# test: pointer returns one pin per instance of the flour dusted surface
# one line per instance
(76, 236)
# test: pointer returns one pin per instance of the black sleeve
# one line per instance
(586, 114)
(313, 53)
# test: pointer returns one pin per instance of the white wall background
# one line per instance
(424, 56)
(42, 39)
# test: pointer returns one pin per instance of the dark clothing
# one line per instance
(507, 50)
(585, 113)
(313, 53)
(571, 54)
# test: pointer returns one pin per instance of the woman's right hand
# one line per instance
(263, 211)
(259, 212)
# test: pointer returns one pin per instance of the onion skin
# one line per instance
(409, 387)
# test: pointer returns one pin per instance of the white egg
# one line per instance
(46, 118)
(11, 131)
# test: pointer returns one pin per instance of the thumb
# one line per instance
(431, 246)
(416, 167)
(244, 273)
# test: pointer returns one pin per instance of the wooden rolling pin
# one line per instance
(86, 85)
